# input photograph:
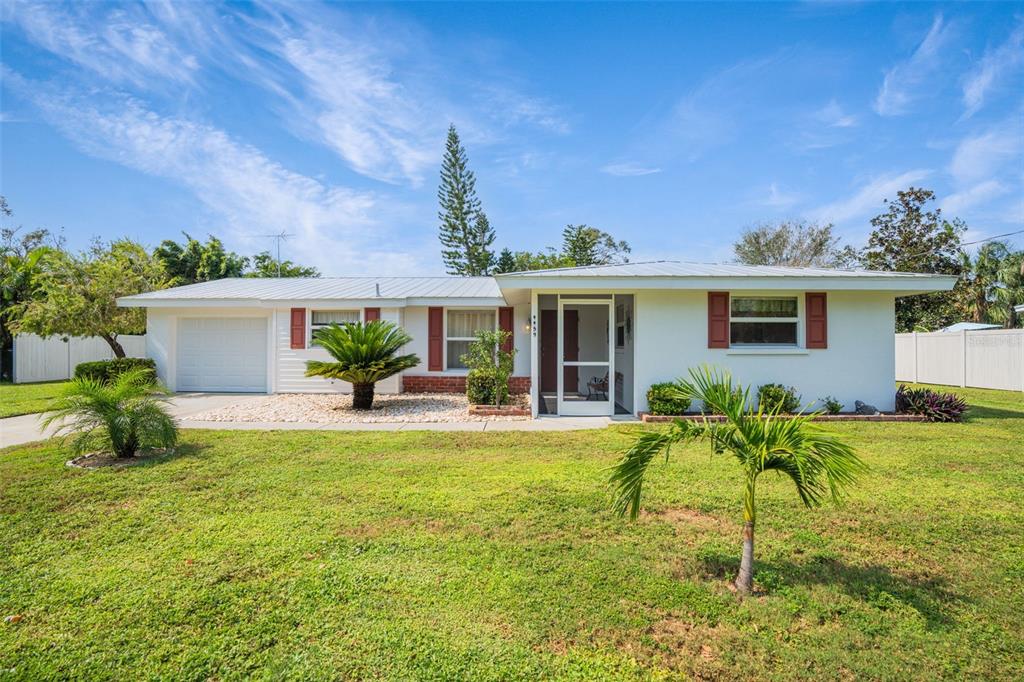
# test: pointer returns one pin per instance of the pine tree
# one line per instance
(465, 233)
(506, 261)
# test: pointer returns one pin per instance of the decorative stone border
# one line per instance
(503, 411)
(845, 417)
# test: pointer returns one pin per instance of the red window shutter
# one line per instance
(817, 320)
(298, 327)
(505, 324)
(435, 339)
(718, 319)
(371, 314)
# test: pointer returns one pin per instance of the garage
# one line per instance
(227, 354)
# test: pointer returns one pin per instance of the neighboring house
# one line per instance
(969, 327)
(589, 340)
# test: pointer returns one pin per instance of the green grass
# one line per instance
(319, 555)
(18, 399)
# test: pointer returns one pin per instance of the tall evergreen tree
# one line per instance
(465, 233)
(910, 238)
(506, 261)
(585, 245)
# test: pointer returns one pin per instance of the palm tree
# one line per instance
(819, 465)
(980, 280)
(364, 354)
(120, 417)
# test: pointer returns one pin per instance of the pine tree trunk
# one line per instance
(362, 396)
(745, 580)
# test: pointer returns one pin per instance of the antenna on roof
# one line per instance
(278, 238)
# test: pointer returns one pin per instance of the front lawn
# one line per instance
(413, 555)
(18, 399)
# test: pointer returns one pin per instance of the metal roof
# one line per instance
(394, 290)
(669, 268)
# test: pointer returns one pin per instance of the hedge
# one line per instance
(107, 370)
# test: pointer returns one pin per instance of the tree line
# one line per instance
(909, 236)
(47, 289)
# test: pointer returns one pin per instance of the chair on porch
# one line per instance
(597, 389)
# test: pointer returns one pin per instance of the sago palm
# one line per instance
(819, 465)
(364, 354)
(121, 417)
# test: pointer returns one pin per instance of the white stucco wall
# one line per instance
(670, 333)
(162, 336)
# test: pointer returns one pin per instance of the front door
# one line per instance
(586, 357)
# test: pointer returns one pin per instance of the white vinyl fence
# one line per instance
(990, 358)
(53, 359)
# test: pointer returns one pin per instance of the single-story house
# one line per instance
(589, 340)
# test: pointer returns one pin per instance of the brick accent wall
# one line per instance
(438, 383)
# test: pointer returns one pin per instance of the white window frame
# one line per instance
(797, 321)
(310, 327)
(474, 309)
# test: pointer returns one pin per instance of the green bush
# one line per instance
(832, 405)
(480, 385)
(667, 399)
(778, 398)
(108, 370)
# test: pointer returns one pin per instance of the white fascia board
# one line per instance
(143, 302)
(901, 286)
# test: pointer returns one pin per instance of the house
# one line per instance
(589, 340)
(969, 327)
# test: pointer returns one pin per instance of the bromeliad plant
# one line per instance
(364, 354)
(819, 465)
(121, 417)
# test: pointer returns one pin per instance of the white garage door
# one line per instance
(222, 354)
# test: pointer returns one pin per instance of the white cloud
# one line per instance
(903, 82)
(986, 191)
(995, 65)
(979, 156)
(833, 116)
(121, 47)
(245, 191)
(629, 169)
(779, 198)
(869, 198)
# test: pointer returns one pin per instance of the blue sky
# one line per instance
(671, 126)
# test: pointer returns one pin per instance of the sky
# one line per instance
(672, 126)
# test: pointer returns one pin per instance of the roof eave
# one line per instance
(905, 286)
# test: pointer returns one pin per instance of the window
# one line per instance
(763, 320)
(462, 328)
(324, 318)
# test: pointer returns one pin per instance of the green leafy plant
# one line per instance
(934, 406)
(667, 399)
(778, 398)
(108, 370)
(490, 367)
(364, 354)
(819, 465)
(121, 417)
(832, 404)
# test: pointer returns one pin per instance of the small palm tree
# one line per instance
(364, 354)
(121, 417)
(819, 465)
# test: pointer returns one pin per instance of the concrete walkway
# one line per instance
(26, 428)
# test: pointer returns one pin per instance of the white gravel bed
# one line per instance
(330, 408)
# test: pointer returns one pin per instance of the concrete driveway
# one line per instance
(26, 428)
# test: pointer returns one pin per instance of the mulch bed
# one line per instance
(845, 417)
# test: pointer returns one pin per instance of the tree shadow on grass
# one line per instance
(974, 412)
(98, 461)
(875, 585)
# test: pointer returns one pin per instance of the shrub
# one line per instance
(777, 398)
(480, 385)
(935, 406)
(487, 362)
(667, 399)
(121, 416)
(105, 371)
(832, 405)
